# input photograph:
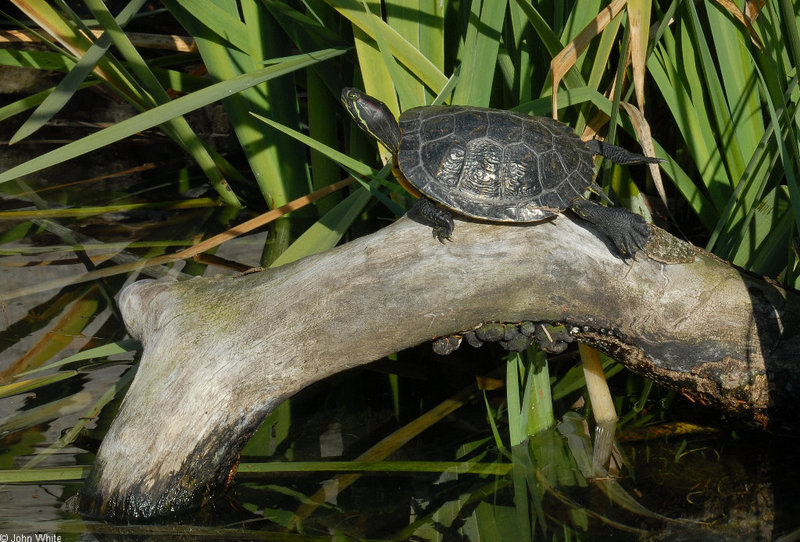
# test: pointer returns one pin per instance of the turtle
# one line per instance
(497, 166)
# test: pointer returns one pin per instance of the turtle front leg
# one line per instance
(627, 230)
(439, 219)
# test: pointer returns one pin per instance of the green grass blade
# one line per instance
(408, 55)
(281, 174)
(429, 28)
(479, 52)
(523, 507)
(522, 61)
(69, 436)
(789, 152)
(375, 77)
(550, 41)
(333, 154)
(408, 89)
(540, 406)
(762, 246)
(695, 131)
(739, 80)
(159, 114)
(498, 440)
(73, 81)
(322, 127)
(119, 347)
(44, 475)
(603, 55)
(328, 230)
(41, 60)
(53, 409)
(719, 106)
(306, 31)
(178, 128)
(68, 33)
(279, 100)
(115, 33)
(82, 212)
(22, 386)
(323, 85)
(513, 400)
(579, 17)
(730, 230)
(221, 22)
(29, 102)
(791, 34)
(456, 467)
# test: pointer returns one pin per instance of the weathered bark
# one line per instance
(220, 354)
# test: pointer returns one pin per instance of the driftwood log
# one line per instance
(220, 354)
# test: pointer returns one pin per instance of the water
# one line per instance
(741, 488)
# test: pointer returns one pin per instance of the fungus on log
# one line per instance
(220, 354)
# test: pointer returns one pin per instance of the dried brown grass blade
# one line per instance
(388, 446)
(50, 21)
(190, 252)
(260, 220)
(643, 134)
(639, 18)
(167, 42)
(746, 19)
(642, 128)
(564, 60)
(63, 333)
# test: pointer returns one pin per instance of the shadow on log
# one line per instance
(220, 354)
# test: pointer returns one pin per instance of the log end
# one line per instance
(138, 502)
(139, 491)
(136, 303)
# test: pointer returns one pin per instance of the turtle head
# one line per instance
(373, 117)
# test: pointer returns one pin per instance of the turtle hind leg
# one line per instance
(627, 230)
(439, 219)
(618, 155)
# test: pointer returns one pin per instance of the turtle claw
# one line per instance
(628, 231)
(443, 233)
(439, 219)
(636, 236)
(631, 234)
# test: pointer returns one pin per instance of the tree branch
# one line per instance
(220, 354)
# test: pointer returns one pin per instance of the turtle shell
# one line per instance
(493, 164)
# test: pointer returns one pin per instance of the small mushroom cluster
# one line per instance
(514, 337)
